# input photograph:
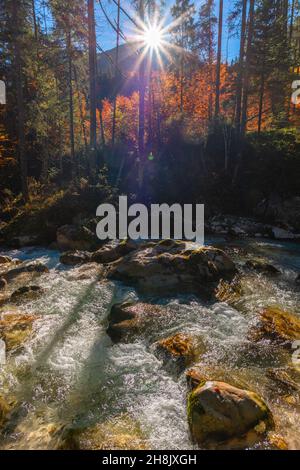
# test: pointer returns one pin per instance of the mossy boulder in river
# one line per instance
(119, 433)
(3, 283)
(113, 251)
(4, 410)
(75, 237)
(218, 412)
(278, 325)
(177, 352)
(262, 266)
(15, 329)
(26, 293)
(129, 320)
(74, 258)
(33, 269)
(157, 270)
(5, 259)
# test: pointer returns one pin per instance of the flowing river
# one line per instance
(68, 374)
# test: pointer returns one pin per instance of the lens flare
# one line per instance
(153, 37)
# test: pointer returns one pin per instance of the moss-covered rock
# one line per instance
(113, 251)
(278, 325)
(15, 329)
(218, 412)
(5, 259)
(262, 266)
(158, 270)
(33, 269)
(119, 433)
(177, 352)
(73, 258)
(4, 410)
(3, 283)
(26, 293)
(75, 237)
(229, 292)
(194, 378)
(128, 320)
(283, 381)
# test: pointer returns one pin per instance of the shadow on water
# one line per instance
(24, 394)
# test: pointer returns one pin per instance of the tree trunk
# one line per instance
(240, 77)
(116, 74)
(34, 20)
(210, 65)
(247, 76)
(142, 94)
(83, 129)
(20, 100)
(261, 102)
(219, 58)
(92, 77)
(71, 104)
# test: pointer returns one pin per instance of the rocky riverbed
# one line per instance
(161, 345)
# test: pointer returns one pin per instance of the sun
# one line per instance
(153, 37)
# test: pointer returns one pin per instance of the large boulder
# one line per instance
(218, 412)
(152, 269)
(277, 325)
(74, 237)
(128, 320)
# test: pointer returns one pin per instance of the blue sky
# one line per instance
(106, 35)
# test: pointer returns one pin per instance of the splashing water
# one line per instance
(69, 372)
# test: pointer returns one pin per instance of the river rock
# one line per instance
(34, 269)
(160, 272)
(119, 433)
(3, 283)
(297, 280)
(229, 292)
(15, 329)
(129, 320)
(73, 237)
(26, 293)
(177, 352)
(86, 272)
(194, 378)
(112, 251)
(5, 259)
(262, 266)
(277, 325)
(73, 258)
(218, 412)
(282, 380)
(4, 410)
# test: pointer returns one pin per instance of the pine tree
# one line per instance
(206, 44)
(185, 38)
